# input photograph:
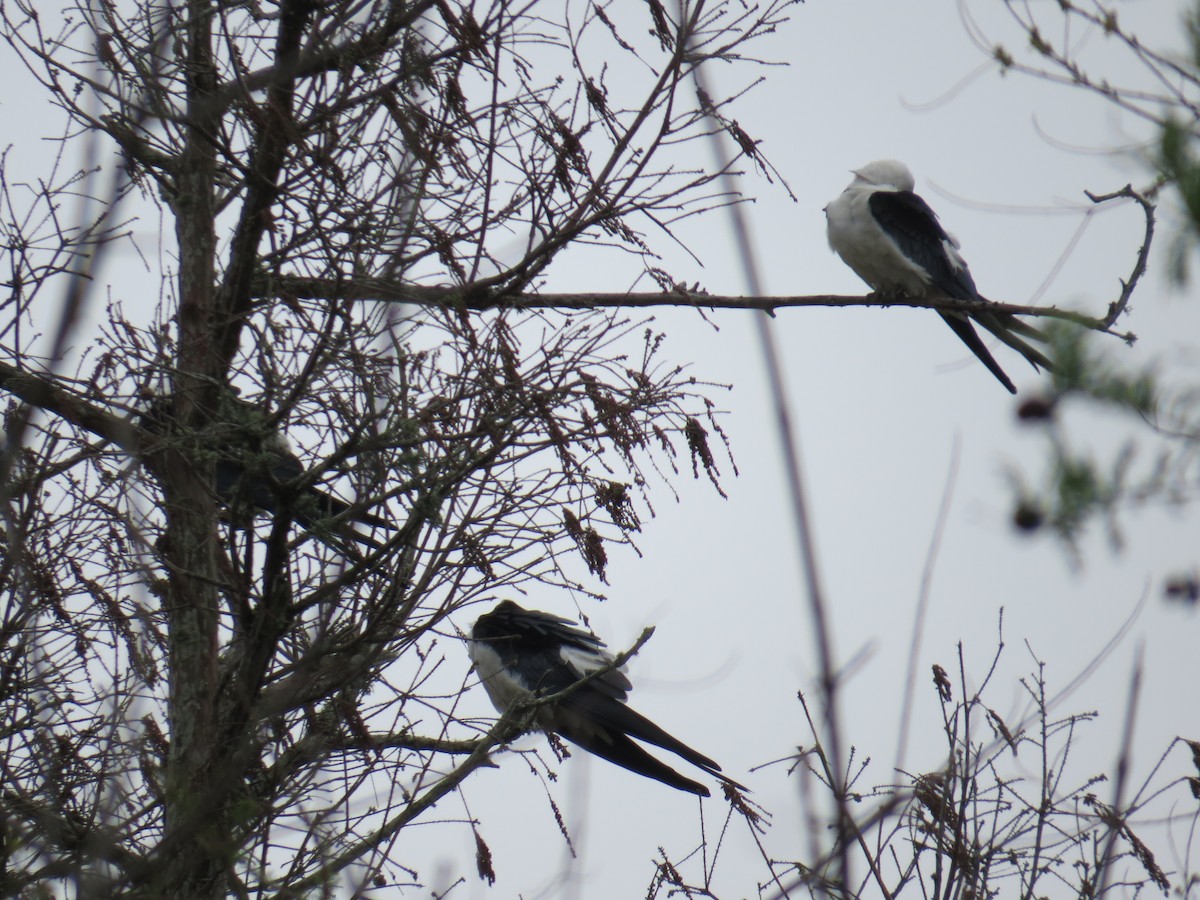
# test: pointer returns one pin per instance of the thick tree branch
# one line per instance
(275, 135)
(41, 391)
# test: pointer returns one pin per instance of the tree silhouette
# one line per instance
(216, 656)
(242, 518)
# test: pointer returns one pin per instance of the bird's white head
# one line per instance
(885, 173)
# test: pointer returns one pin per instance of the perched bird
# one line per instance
(255, 465)
(522, 652)
(894, 242)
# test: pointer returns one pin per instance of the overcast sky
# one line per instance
(883, 401)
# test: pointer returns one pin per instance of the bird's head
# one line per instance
(886, 174)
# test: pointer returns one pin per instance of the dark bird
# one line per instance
(524, 652)
(894, 242)
(256, 467)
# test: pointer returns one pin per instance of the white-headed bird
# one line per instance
(894, 242)
(521, 653)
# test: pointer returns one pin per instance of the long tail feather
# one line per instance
(619, 749)
(961, 326)
(1003, 325)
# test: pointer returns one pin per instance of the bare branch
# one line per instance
(476, 297)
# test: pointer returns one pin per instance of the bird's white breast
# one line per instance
(857, 238)
(502, 689)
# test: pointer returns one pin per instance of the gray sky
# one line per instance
(881, 399)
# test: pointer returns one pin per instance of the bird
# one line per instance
(522, 653)
(254, 466)
(894, 242)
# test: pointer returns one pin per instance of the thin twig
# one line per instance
(1117, 308)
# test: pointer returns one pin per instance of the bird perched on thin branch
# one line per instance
(255, 466)
(894, 242)
(522, 653)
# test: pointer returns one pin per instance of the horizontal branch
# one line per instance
(472, 297)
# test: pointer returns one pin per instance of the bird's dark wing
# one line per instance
(541, 652)
(913, 225)
(312, 509)
(254, 466)
(908, 220)
(546, 652)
